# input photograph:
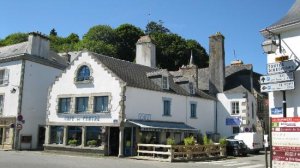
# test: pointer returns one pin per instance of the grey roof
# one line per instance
(12, 50)
(292, 17)
(176, 126)
(135, 75)
(238, 89)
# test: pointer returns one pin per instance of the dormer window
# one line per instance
(83, 74)
(165, 82)
(191, 88)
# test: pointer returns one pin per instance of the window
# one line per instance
(193, 110)
(82, 104)
(64, 105)
(235, 109)
(165, 84)
(1, 104)
(83, 73)
(101, 104)
(56, 134)
(235, 130)
(4, 76)
(167, 107)
(94, 133)
(191, 87)
(252, 110)
(74, 133)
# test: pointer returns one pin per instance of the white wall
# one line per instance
(292, 39)
(37, 79)
(104, 82)
(151, 102)
(245, 112)
(10, 107)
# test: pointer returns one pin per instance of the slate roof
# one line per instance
(162, 125)
(135, 75)
(292, 17)
(11, 50)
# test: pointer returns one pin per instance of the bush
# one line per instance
(189, 140)
(72, 142)
(222, 141)
(170, 141)
(207, 141)
(91, 142)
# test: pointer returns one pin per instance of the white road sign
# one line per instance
(277, 86)
(280, 67)
(277, 78)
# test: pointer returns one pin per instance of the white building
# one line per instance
(26, 71)
(288, 29)
(117, 104)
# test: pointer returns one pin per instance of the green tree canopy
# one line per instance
(154, 27)
(14, 39)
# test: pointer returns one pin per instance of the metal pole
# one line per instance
(271, 144)
(284, 103)
(266, 152)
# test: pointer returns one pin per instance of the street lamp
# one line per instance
(269, 46)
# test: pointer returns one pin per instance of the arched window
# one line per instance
(83, 73)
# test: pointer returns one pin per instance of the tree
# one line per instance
(53, 32)
(14, 39)
(154, 27)
(101, 33)
(200, 56)
(126, 38)
(98, 47)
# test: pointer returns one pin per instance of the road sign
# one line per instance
(277, 78)
(276, 110)
(290, 85)
(19, 126)
(280, 67)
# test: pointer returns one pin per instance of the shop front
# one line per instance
(7, 132)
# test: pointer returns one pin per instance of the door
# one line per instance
(114, 141)
(1, 137)
(41, 137)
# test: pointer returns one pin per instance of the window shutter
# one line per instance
(6, 77)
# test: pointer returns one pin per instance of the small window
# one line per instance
(167, 107)
(82, 104)
(165, 82)
(64, 105)
(83, 73)
(101, 104)
(1, 104)
(235, 108)
(191, 87)
(4, 76)
(235, 130)
(193, 110)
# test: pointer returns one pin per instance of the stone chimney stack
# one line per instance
(216, 64)
(39, 44)
(145, 52)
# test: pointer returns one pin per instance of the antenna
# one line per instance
(234, 54)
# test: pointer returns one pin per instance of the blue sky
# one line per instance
(238, 20)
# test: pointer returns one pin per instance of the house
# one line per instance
(240, 104)
(286, 33)
(26, 71)
(114, 104)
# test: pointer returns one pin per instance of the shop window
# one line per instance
(101, 104)
(56, 134)
(83, 73)
(1, 104)
(82, 104)
(94, 134)
(235, 108)
(64, 105)
(74, 133)
(235, 130)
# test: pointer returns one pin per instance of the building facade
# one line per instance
(26, 71)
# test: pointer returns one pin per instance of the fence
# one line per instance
(180, 152)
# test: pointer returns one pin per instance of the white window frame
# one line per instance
(193, 103)
(235, 108)
(163, 106)
(2, 104)
(165, 82)
(4, 81)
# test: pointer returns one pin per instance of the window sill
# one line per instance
(193, 117)
(166, 115)
(86, 81)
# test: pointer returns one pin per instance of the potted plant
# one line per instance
(72, 142)
(188, 142)
(222, 142)
(92, 143)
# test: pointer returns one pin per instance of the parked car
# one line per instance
(253, 140)
(236, 147)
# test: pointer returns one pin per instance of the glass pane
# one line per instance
(101, 104)
(56, 134)
(64, 105)
(94, 134)
(75, 133)
(81, 104)
(2, 72)
(83, 74)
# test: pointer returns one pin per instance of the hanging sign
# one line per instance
(282, 77)
(280, 67)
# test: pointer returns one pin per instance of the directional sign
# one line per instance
(277, 86)
(277, 78)
(285, 66)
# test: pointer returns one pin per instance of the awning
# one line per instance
(162, 126)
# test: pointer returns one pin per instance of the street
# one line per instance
(31, 159)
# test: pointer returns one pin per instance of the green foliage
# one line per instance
(222, 141)
(154, 27)
(72, 142)
(189, 140)
(92, 142)
(101, 33)
(53, 32)
(14, 39)
(170, 141)
(207, 141)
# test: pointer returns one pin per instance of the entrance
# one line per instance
(1, 136)
(41, 137)
(114, 141)
(129, 141)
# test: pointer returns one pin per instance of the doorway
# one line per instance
(41, 137)
(114, 141)
(1, 136)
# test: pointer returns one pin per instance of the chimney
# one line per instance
(216, 64)
(39, 44)
(190, 72)
(145, 52)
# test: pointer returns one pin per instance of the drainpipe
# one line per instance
(216, 116)
(21, 85)
(122, 119)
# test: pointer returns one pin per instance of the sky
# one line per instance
(238, 20)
